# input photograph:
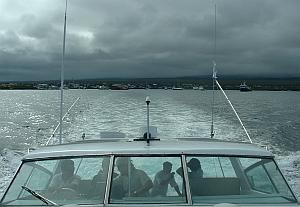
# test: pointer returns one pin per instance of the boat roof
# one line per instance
(162, 147)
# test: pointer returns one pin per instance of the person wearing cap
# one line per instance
(195, 169)
(140, 182)
(65, 179)
(163, 179)
(194, 174)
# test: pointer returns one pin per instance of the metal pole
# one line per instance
(148, 121)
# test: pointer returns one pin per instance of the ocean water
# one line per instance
(28, 118)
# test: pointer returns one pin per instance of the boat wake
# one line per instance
(9, 162)
(290, 165)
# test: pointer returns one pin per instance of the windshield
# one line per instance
(151, 179)
(64, 181)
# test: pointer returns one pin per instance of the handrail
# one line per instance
(56, 128)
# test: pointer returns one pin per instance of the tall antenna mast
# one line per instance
(62, 76)
(215, 81)
(214, 77)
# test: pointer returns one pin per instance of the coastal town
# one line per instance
(288, 84)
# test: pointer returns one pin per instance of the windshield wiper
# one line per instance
(39, 196)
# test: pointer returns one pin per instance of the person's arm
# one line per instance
(74, 184)
(147, 184)
(177, 190)
(145, 188)
(179, 171)
(175, 186)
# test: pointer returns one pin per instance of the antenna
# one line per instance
(62, 76)
(214, 77)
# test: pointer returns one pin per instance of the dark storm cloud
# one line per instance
(139, 38)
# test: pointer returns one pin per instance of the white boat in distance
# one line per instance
(177, 88)
(244, 87)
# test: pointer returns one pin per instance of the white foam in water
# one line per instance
(9, 162)
(290, 165)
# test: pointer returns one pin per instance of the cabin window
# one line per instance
(277, 178)
(147, 180)
(63, 181)
(211, 176)
(238, 180)
(264, 176)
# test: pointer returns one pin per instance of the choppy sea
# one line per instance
(28, 118)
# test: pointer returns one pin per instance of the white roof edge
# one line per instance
(201, 147)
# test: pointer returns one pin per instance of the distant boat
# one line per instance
(102, 87)
(119, 87)
(198, 88)
(201, 88)
(244, 87)
(176, 88)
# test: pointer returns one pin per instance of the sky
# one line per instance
(148, 38)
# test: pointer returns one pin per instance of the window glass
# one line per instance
(264, 176)
(147, 180)
(20, 179)
(64, 181)
(278, 179)
(236, 180)
(209, 176)
(214, 166)
(259, 180)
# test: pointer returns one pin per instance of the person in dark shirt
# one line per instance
(131, 182)
(99, 181)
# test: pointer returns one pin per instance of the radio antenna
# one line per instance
(215, 81)
(62, 77)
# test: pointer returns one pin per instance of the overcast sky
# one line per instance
(148, 38)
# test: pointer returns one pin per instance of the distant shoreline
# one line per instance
(271, 84)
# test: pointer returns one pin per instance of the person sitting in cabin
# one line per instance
(131, 182)
(195, 174)
(99, 181)
(66, 179)
(163, 179)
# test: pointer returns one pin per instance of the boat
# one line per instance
(239, 174)
(177, 88)
(244, 87)
(195, 88)
(119, 87)
(198, 88)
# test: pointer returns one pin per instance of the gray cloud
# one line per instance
(142, 38)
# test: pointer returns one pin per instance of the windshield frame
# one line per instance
(106, 199)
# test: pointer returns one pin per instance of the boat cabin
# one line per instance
(177, 172)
